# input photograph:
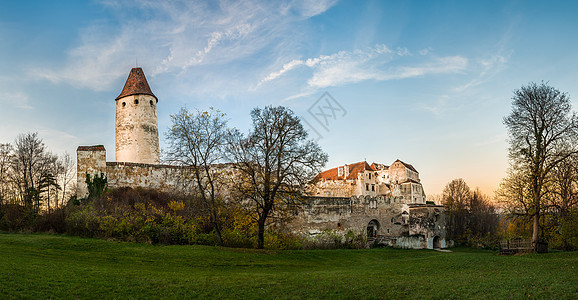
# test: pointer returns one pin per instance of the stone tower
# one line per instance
(137, 136)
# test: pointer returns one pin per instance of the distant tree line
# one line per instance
(471, 218)
(33, 180)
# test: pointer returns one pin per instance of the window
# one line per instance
(340, 171)
(367, 186)
(151, 102)
(123, 104)
(135, 101)
(373, 187)
(369, 175)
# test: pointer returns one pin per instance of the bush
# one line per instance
(17, 218)
(54, 221)
(139, 215)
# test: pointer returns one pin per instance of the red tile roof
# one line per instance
(377, 166)
(136, 84)
(354, 170)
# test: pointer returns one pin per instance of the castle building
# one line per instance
(386, 203)
(400, 180)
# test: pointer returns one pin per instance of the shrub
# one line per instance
(139, 215)
(17, 218)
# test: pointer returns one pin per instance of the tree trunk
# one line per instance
(261, 234)
(536, 231)
(216, 227)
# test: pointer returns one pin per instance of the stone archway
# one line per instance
(437, 244)
(372, 228)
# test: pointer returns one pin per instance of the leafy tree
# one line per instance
(96, 186)
(197, 139)
(542, 133)
(274, 162)
(563, 204)
(47, 181)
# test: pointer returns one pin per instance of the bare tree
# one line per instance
(27, 165)
(197, 140)
(5, 159)
(275, 160)
(455, 198)
(542, 133)
(67, 169)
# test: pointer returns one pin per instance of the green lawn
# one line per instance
(55, 266)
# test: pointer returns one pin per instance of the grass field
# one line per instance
(54, 266)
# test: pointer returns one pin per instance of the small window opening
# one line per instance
(339, 225)
(123, 104)
(135, 101)
(151, 102)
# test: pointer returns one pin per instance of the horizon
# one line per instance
(426, 83)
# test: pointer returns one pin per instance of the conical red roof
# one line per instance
(136, 84)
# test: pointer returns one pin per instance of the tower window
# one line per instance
(135, 101)
(123, 104)
(151, 102)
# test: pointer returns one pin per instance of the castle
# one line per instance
(386, 203)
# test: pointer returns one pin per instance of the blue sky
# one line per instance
(427, 82)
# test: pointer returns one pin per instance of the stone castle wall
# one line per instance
(92, 160)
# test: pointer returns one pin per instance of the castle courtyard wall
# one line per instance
(399, 224)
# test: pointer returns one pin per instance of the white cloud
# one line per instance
(174, 36)
(375, 63)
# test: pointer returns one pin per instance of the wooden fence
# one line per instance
(515, 246)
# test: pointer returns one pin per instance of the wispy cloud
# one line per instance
(486, 68)
(174, 36)
(17, 99)
(375, 63)
(480, 71)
